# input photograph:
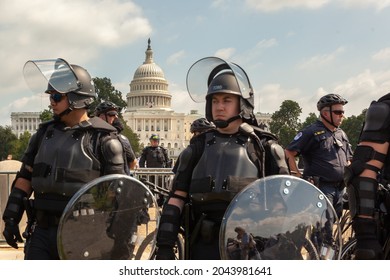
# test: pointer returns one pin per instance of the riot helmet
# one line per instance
(201, 125)
(86, 93)
(60, 76)
(329, 100)
(154, 137)
(212, 75)
(105, 107)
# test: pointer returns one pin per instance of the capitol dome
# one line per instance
(148, 89)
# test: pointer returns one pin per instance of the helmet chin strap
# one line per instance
(224, 124)
(331, 118)
(63, 113)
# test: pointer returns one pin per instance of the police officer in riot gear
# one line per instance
(370, 165)
(61, 157)
(108, 111)
(218, 163)
(154, 156)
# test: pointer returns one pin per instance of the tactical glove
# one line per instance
(13, 213)
(12, 234)
(367, 245)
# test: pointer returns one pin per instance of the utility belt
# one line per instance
(48, 209)
(47, 219)
(338, 185)
(206, 230)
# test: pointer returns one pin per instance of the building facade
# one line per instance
(24, 121)
(149, 108)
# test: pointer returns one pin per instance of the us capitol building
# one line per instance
(148, 110)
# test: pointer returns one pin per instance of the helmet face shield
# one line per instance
(202, 72)
(54, 74)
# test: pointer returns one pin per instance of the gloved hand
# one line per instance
(11, 233)
(165, 253)
(367, 245)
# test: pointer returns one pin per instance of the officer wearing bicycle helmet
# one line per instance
(204, 177)
(154, 156)
(325, 150)
(201, 125)
(369, 167)
(61, 157)
(108, 111)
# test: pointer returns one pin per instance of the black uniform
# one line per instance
(154, 157)
(213, 169)
(63, 160)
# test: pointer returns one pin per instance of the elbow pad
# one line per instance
(113, 152)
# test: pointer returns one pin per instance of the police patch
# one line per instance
(298, 136)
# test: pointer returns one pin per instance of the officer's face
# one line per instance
(335, 113)
(154, 143)
(224, 106)
(58, 102)
(109, 116)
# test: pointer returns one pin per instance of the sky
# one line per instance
(291, 49)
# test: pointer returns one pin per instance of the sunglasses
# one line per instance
(57, 96)
(112, 113)
(338, 112)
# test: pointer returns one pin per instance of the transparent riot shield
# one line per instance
(280, 217)
(108, 219)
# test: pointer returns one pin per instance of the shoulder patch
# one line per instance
(299, 135)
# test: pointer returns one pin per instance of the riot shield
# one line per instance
(280, 217)
(108, 219)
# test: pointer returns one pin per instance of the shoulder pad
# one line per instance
(46, 124)
(261, 133)
(384, 98)
(99, 124)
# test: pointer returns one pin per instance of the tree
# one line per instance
(352, 127)
(20, 145)
(106, 92)
(285, 122)
(46, 115)
(311, 118)
(8, 142)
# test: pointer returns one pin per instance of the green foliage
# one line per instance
(352, 127)
(106, 92)
(46, 115)
(20, 145)
(285, 122)
(8, 142)
(133, 137)
(311, 118)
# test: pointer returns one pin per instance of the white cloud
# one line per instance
(383, 54)
(320, 60)
(176, 57)
(359, 90)
(273, 6)
(362, 89)
(76, 30)
(377, 4)
(265, 44)
(226, 53)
